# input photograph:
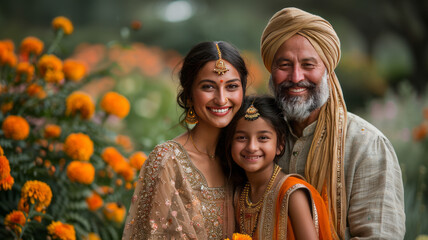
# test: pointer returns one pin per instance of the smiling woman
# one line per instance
(181, 182)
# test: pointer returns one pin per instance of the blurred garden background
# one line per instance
(131, 51)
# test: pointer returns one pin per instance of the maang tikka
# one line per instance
(220, 65)
(252, 113)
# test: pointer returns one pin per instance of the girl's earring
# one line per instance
(191, 117)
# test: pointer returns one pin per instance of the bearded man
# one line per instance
(350, 162)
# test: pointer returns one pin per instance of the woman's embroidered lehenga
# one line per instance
(173, 201)
(273, 222)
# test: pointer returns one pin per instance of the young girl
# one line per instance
(268, 203)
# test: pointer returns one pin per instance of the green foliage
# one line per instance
(400, 116)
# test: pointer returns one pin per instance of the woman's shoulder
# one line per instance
(168, 150)
(168, 147)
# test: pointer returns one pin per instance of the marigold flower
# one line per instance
(24, 71)
(7, 57)
(94, 202)
(116, 104)
(74, 70)
(52, 131)
(91, 236)
(4, 167)
(6, 107)
(105, 190)
(79, 146)
(31, 45)
(80, 102)
(62, 23)
(8, 45)
(49, 62)
(127, 172)
(15, 221)
(137, 159)
(114, 212)
(420, 132)
(15, 127)
(54, 76)
(1, 151)
(7, 183)
(36, 192)
(81, 172)
(239, 236)
(125, 142)
(136, 25)
(113, 158)
(63, 231)
(35, 90)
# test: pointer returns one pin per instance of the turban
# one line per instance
(324, 167)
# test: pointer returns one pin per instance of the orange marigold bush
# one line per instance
(15, 221)
(63, 231)
(52, 131)
(37, 192)
(80, 102)
(24, 71)
(81, 172)
(74, 70)
(79, 146)
(35, 90)
(15, 127)
(115, 104)
(31, 45)
(94, 201)
(63, 23)
(114, 212)
(137, 160)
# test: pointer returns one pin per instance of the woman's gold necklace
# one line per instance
(212, 157)
(244, 199)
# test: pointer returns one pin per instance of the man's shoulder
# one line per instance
(359, 127)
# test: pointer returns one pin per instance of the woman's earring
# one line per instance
(191, 117)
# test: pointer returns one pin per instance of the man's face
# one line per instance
(299, 78)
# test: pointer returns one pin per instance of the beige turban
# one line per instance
(324, 165)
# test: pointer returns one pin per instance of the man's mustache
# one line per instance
(288, 84)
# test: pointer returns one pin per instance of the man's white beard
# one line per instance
(298, 108)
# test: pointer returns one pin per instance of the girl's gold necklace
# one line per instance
(244, 199)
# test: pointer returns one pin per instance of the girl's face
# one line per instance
(254, 145)
(216, 98)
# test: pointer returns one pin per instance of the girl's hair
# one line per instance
(271, 113)
(196, 59)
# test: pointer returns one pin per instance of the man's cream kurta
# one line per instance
(374, 185)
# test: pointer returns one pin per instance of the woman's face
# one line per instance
(216, 98)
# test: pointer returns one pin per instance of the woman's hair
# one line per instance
(269, 110)
(196, 59)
